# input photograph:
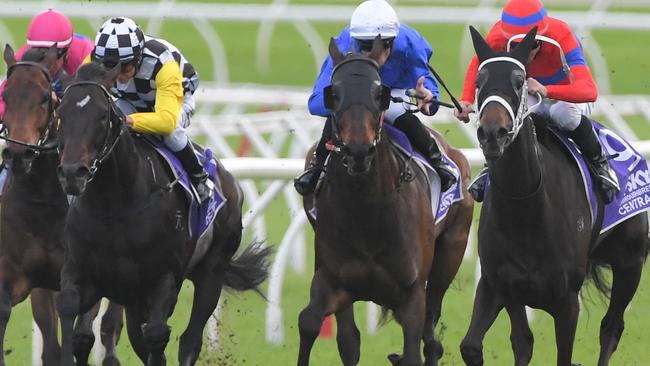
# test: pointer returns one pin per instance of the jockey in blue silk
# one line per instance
(403, 65)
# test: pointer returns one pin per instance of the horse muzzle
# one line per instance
(358, 158)
(74, 178)
(19, 161)
(493, 140)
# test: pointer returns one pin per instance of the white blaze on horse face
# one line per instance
(82, 103)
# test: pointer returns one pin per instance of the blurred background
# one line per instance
(257, 61)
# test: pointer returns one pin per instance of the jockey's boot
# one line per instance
(305, 183)
(585, 137)
(477, 187)
(198, 176)
(421, 138)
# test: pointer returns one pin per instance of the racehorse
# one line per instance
(34, 208)
(375, 232)
(537, 241)
(127, 231)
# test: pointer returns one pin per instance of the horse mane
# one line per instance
(541, 124)
(92, 71)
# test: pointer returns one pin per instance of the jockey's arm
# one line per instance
(316, 102)
(169, 99)
(582, 90)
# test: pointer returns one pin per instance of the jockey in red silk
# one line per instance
(557, 70)
(51, 27)
(403, 65)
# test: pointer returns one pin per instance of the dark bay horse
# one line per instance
(375, 233)
(536, 243)
(34, 208)
(127, 232)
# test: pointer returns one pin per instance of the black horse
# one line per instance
(375, 233)
(34, 208)
(127, 231)
(536, 242)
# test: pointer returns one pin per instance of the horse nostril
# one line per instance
(480, 133)
(372, 150)
(6, 154)
(30, 154)
(501, 133)
(82, 172)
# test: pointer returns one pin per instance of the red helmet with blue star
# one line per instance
(520, 16)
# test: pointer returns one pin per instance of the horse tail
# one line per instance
(595, 274)
(248, 270)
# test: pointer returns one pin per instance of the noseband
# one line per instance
(522, 109)
(116, 125)
(44, 144)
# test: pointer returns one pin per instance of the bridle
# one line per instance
(522, 109)
(362, 80)
(116, 126)
(45, 142)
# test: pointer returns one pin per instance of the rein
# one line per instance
(45, 144)
(115, 127)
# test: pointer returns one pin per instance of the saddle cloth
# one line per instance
(440, 201)
(631, 170)
(202, 215)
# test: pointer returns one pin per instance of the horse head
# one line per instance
(28, 118)
(356, 99)
(90, 126)
(501, 93)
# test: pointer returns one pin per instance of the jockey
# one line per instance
(557, 70)
(155, 90)
(46, 29)
(403, 65)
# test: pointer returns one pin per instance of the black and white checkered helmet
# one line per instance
(119, 40)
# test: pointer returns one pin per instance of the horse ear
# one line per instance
(483, 50)
(111, 75)
(335, 53)
(377, 48)
(522, 51)
(52, 55)
(9, 56)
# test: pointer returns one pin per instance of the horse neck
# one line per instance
(42, 183)
(518, 172)
(370, 187)
(119, 180)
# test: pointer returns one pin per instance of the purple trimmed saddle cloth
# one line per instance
(631, 170)
(201, 215)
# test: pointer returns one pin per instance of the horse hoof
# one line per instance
(576, 364)
(394, 359)
(111, 361)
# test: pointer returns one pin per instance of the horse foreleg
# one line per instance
(624, 285)
(487, 305)
(208, 282)
(134, 322)
(566, 321)
(111, 329)
(322, 301)
(84, 338)
(520, 336)
(450, 248)
(5, 313)
(156, 332)
(45, 316)
(347, 336)
(71, 301)
(410, 315)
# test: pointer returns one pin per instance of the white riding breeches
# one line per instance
(564, 115)
(397, 109)
(177, 140)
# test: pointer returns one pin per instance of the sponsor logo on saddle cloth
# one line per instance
(631, 170)
(201, 215)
